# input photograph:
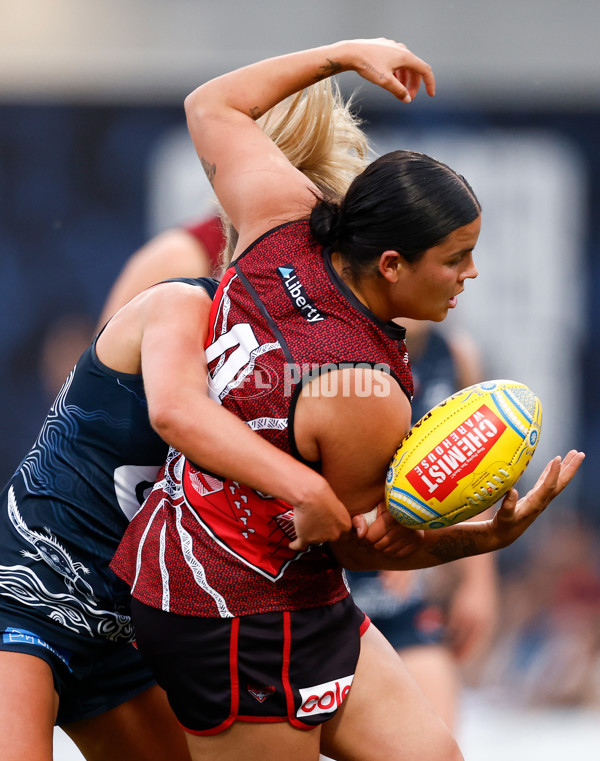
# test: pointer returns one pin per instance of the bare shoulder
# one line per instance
(160, 314)
(352, 420)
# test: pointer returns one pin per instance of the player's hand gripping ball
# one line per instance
(463, 455)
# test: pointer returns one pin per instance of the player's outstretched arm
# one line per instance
(379, 546)
(253, 180)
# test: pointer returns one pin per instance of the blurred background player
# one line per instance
(436, 619)
(188, 251)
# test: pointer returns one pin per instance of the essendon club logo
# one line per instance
(438, 473)
(261, 693)
(324, 698)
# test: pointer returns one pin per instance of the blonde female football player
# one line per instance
(65, 656)
(256, 645)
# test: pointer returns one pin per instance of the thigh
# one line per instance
(28, 707)
(257, 742)
(386, 717)
(142, 729)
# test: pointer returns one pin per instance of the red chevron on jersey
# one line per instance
(241, 521)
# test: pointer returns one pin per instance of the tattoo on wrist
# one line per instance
(460, 545)
(328, 69)
(209, 169)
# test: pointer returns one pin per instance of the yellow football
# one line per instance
(463, 455)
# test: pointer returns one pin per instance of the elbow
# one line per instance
(167, 421)
(198, 105)
(189, 104)
(192, 107)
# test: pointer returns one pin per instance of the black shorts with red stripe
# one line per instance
(285, 666)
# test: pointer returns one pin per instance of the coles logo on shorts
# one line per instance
(324, 698)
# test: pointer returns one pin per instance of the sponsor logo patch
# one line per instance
(457, 456)
(11, 636)
(297, 295)
(324, 698)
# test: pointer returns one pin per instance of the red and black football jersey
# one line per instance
(205, 545)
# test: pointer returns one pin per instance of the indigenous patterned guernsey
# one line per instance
(206, 546)
(64, 511)
(67, 506)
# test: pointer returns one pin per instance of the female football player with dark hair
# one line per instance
(256, 644)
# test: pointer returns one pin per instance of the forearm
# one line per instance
(216, 440)
(254, 89)
(478, 571)
(429, 548)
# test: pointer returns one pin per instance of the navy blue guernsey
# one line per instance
(65, 509)
(434, 374)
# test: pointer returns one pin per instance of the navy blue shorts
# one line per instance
(91, 676)
(404, 621)
(419, 623)
(285, 666)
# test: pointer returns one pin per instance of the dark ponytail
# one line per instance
(325, 222)
(404, 201)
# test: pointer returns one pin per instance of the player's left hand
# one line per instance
(515, 515)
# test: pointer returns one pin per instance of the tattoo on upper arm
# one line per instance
(329, 69)
(255, 112)
(448, 548)
(210, 169)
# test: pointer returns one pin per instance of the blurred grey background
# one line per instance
(95, 158)
(540, 52)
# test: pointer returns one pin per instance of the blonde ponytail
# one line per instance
(321, 136)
